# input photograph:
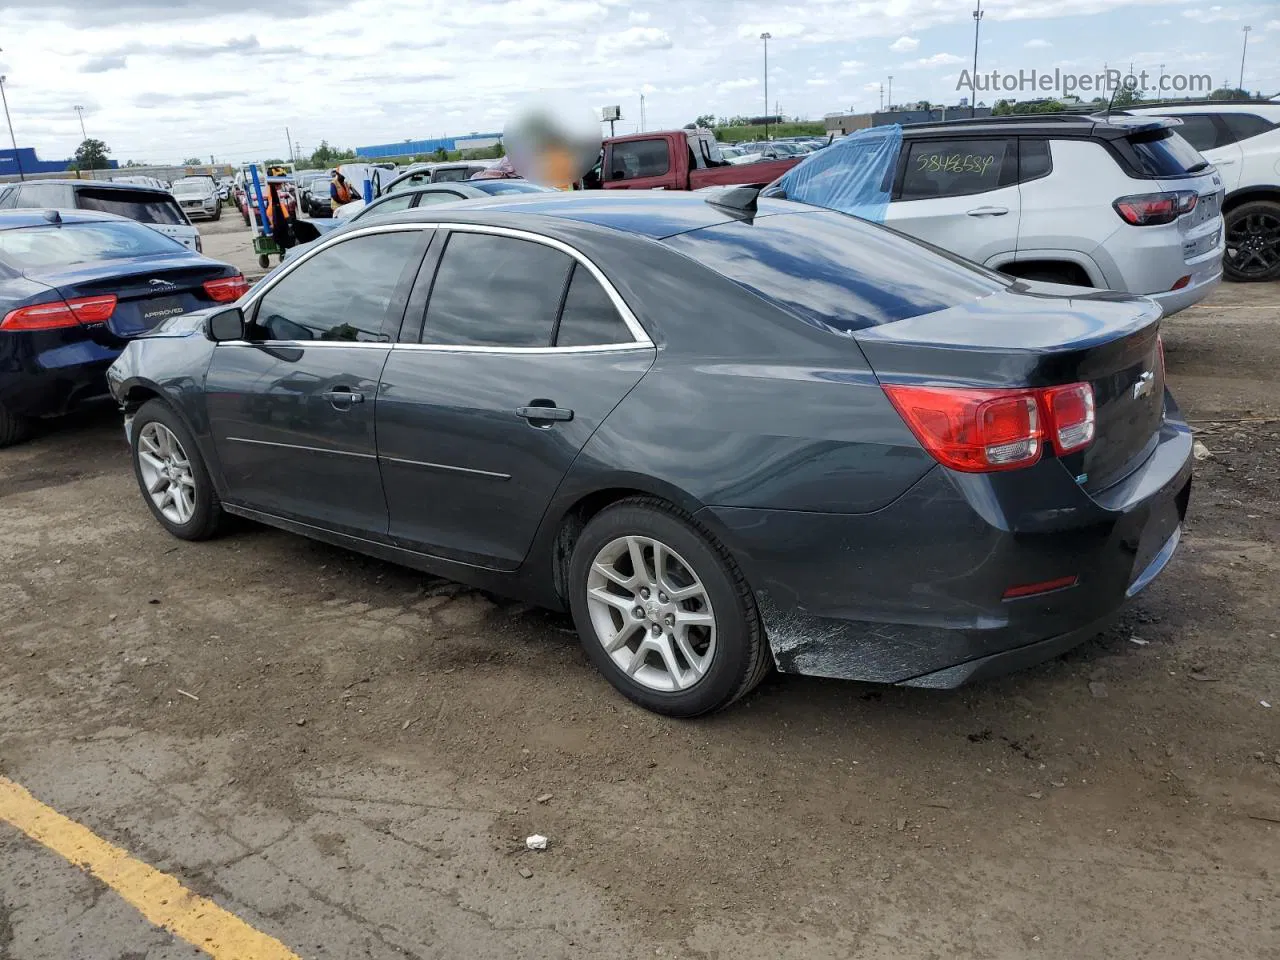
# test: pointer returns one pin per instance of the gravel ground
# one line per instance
(365, 748)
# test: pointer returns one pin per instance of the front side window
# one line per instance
(633, 159)
(344, 292)
(495, 291)
(954, 168)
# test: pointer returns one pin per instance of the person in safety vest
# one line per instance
(340, 192)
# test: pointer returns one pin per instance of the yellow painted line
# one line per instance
(157, 896)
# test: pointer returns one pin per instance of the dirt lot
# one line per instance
(369, 747)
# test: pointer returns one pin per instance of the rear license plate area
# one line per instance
(161, 308)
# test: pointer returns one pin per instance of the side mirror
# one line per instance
(225, 325)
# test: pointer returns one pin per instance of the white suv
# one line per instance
(1242, 139)
(1124, 204)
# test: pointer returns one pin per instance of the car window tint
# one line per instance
(1199, 130)
(953, 168)
(495, 291)
(392, 204)
(495, 187)
(429, 197)
(639, 158)
(44, 195)
(341, 293)
(589, 316)
(837, 272)
(1241, 126)
(8, 197)
(1164, 153)
(1034, 160)
(450, 175)
(141, 205)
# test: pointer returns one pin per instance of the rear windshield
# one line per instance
(495, 187)
(838, 272)
(48, 246)
(1166, 154)
(141, 205)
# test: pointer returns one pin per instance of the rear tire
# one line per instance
(13, 428)
(1253, 242)
(172, 475)
(681, 637)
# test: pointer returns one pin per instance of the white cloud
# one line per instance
(904, 44)
(1037, 44)
(535, 45)
(777, 31)
(937, 60)
(727, 86)
(1272, 25)
(633, 40)
(848, 67)
(638, 16)
(819, 82)
(1214, 14)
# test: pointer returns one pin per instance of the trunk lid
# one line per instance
(147, 291)
(1039, 335)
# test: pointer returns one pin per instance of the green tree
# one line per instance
(706, 120)
(1229, 93)
(327, 156)
(92, 155)
(441, 154)
(1127, 98)
(192, 162)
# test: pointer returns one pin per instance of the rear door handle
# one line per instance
(342, 397)
(538, 412)
(988, 211)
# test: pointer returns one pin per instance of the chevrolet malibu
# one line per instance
(724, 433)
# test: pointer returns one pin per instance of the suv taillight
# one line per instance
(1150, 209)
(980, 430)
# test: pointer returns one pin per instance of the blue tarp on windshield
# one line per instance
(854, 176)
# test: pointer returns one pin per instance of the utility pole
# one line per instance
(17, 158)
(766, 37)
(1160, 82)
(1243, 50)
(977, 22)
(890, 104)
(84, 136)
(882, 96)
(288, 141)
(642, 113)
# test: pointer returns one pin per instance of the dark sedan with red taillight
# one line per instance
(75, 287)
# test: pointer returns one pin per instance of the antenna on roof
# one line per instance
(1111, 103)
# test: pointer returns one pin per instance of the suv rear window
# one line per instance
(1164, 153)
(141, 205)
(838, 272)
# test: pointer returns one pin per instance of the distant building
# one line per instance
(841, 123)
(25, 161)
(411, 148)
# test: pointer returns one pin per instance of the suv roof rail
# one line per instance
(1006, 118)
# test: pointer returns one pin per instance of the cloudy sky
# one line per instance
(161, 80)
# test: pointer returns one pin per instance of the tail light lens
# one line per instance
(65, 313)
(1150, 209)
(977, 430)
(226, 289)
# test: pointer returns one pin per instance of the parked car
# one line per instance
(678, 160)
(75, 287)
(1124, 204)
(407, 197)
(815, 441)
(1242, 140)
(198, 197)
(774, 149)
(142, 181)
(417, 175)
(156, 208)
(314, 189)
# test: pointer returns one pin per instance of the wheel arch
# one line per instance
(1234, 199)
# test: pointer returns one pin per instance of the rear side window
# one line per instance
(1199, 130)
(837, 272)
(44, 195)
(956, 168)
(1034, 160)
(589, 317)
(495, 291)
(633, 159)
(1242, 126)
(140, 205)
(1165, 154)
(43, 247)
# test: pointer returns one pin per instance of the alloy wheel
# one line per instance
(166, 473)
(1253, 244)
(651, 613)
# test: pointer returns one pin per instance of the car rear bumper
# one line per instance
(52, 392)
(1203, 282)
(914, 593)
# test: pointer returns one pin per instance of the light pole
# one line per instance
(977, 22)
(1160, 82)
(83, 136)
(14, 140)
(890, 103)
(766, 37)
(1243, 50)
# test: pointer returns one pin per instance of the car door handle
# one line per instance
(343, 397)
(988, 211)
(540, 412)
(1223, 163)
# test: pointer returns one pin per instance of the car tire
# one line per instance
(13, 428)
(705, 583)
(160, 444)
(217, 212)
(1253, 232)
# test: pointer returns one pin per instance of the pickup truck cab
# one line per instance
(679, 160)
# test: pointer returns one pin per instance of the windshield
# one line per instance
(145, 206)
(191, 188)
(35, 248)
(495, 187)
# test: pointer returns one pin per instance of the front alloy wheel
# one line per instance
(166, 473)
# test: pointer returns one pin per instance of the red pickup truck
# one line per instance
(678, 160)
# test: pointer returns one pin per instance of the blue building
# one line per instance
(25, 161)
(410, 148)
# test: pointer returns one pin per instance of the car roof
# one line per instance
(100, 184)
(652, 214)
(1040, 124)
(1264, 108)
(36, 217)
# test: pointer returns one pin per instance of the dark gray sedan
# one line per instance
(722, 435)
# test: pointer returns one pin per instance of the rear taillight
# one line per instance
(979, 430)
(1150, 209)
(226, 289)
(66, 313)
